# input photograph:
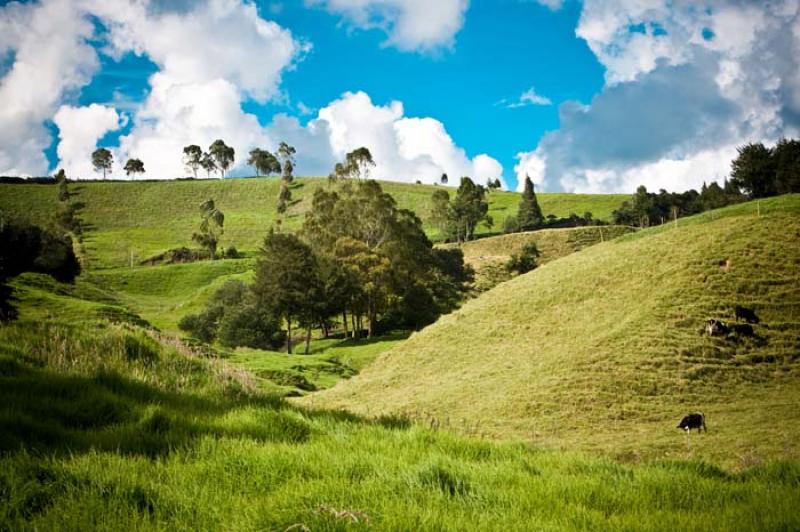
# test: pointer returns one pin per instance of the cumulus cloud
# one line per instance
(51, 59)
(404, 148)
(684, 86)
(79, 130)
(410, 25)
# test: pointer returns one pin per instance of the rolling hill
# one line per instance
(129, 221)
(601, 350)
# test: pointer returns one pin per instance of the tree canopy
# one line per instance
(134, 166)
(102, 161)
(529, 214)
(222, 155)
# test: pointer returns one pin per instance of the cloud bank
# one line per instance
(685, 84)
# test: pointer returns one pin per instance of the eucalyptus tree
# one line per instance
(223, 156)
(102, 160)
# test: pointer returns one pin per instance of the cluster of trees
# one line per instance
(219, 157)
(757, 172)
(458, 219)
(30, 248)
(359, 262)
(103, 161)
(760, 172)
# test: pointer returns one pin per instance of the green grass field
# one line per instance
(130, 221)
(601, 351)
(103, 426)
(547, 403)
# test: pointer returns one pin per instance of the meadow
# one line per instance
(127, 222)
(110, 427)
(602, 350)
(561, 416)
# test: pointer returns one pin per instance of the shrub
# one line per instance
(510, 225)
(524, 261)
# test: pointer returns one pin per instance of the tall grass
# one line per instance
(104, 427)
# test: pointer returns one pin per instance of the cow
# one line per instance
(695, 420)
(716, 328)
(746, 314)
(743, 329)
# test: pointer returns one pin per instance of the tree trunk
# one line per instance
(344, 322)
(289, 335)
(308, 339)
(354, 322)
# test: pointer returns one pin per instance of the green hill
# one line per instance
(127, 221)
(601, 350)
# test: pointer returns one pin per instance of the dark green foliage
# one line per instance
(193, 158)
(264, 162)
(232, 317)
(529, 215)
(356, 165)
(787, 166)
(441, 215)
(212, 222)
(469, 208)
(524, 261)
(287, 283)
(102, 160)
(222, 154)
(134, 166)
(29, 248)
(231, 252)
(753, 171)
(646, 209)
(286, 155)
(510, 225)
(284, 197)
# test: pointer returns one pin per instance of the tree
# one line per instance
(443, 179)
(263, 162)
(469, 209)
(286, 155)
(208, 163)
(356, 165)
(753, 171)
(525, 260)
(442, 213)
(286, 280)
(223, 155)
(102, 160)
(787, 166)
(193, 158)
(63, 190)
(284, 197)
(529, 214)
(212, 222)
(134, 166)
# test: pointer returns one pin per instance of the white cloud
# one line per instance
(410, 25)
(51, 59)
(531, 164)
(684, 86)
(529, 97)
(553, 5)
(404, 148)
(80, 128)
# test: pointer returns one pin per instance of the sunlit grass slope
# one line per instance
(601, 350)
(136, 220)
(103, 426)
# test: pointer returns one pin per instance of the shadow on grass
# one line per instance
(44, 412)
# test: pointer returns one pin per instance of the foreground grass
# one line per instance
(601, 351)
(130, 221)
(105, 427)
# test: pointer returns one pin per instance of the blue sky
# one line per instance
(595, 96)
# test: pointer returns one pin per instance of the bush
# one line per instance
(524, 261)
(231, 252)
(510, 225)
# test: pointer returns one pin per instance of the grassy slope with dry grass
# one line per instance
(600, 350)
(136, 220)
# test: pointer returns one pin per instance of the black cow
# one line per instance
(695, 420)
(746, 314)
(716, 328)
(743, 329)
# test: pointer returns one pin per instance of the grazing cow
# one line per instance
(695, 420)
(746, 314)
(743, 329)
(716, 328)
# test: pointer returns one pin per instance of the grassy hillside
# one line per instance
(488, 256)
(105, 426)
(601, 350)
(137, 220)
